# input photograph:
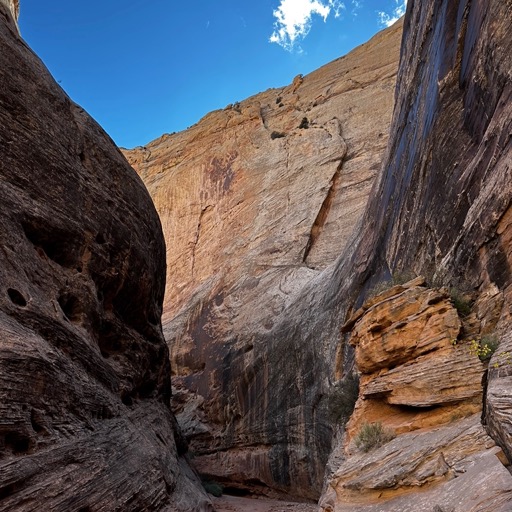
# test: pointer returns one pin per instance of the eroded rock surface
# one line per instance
(418, 382)
(14, 8)
(255, 200)
(85, 422)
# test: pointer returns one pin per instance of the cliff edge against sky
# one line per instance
(85, 380)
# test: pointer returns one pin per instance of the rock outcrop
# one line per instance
(255, 201)
(85, 422)
(423, 384)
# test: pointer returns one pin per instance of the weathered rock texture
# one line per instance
(255, 200)
(442, 208)
(85, 422)
(14, 8)
(418, 381)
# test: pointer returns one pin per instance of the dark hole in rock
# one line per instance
(146, 389)
(70, 306)
(60, 246)
(236, 491)
(79, 269)
(417, 408)
(16, 297)
(82, 156)
(106, 355)
(127, 399)
(109, 340)
(36, 422)
(100, 239)
(17, 442)
(7, 490)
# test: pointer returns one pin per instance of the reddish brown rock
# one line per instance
(403, 327)
(85, 422)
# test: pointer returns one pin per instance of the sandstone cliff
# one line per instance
(255, 201)
(85, 422)
(442, 209)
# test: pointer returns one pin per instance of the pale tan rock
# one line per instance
(14, 9)
(475, 482)
(255, 200)
(13, 6)
(419, 395)
(412, 460)
(445, 376)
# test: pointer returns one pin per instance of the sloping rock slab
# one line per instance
(455, 467)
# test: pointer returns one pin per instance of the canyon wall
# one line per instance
(255, 201)
(440, 209)
(85, 422)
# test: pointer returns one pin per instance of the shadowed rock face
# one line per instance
(442, 204)
(442, 208)
(84, 383)
(255, 200)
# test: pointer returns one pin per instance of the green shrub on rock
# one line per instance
(372, 435)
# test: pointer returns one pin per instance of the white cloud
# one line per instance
(356, 6)
(293, 19)
(387, 19)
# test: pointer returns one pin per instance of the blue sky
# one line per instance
(144, 68)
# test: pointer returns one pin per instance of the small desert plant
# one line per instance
(342, 399)
(372, 435)
(213, 488)
(277, 135)
(396, 278)
(484, 348)
(460, 302)
(304, 124)
(503, 358)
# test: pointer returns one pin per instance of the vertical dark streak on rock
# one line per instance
(325, 209)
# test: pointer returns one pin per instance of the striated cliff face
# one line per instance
(85, 380)
(442, 209)
(255, 200)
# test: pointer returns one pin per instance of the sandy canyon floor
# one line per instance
(239, 504)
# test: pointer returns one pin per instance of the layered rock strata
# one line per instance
(85, 422)
(255, 200)
(423, 383)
